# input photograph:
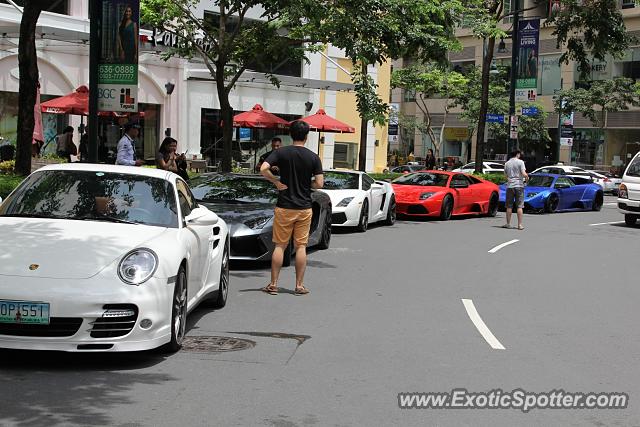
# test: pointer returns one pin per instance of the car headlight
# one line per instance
(622, 192)
(530, 195)
(345, 202)
(138, 266)
(257, 223)
(425, 196)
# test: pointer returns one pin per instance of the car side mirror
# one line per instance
(561, 186)
(202, 216)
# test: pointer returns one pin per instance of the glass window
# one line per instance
(460, 180)
(366, 183)
(599, 70)
(634, 167)
(550, 77)
(234, 188)
(540, 181)
(94, 196)
(423, 179)
(563, 181)
(278, 64)
(345, 155)
(341, 181)
(186, 199)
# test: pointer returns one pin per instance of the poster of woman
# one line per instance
(127, 36)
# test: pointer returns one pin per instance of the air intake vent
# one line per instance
(117, 321)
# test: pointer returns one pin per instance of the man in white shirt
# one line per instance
(126, 146)
(516, 176)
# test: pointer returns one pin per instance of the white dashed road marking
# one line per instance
(606, 223)
(500, 246)
(481, 326)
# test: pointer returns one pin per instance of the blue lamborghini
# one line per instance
(555, 193)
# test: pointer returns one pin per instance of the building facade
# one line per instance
(179, 96)
(609, 147)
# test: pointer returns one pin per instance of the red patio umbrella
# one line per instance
(75, 103)
(260, 119)
(321, 122)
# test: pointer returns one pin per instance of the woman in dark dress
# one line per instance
(128, 38)
(430, 161)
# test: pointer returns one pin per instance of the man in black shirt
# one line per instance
(297, 166)
(275, 144)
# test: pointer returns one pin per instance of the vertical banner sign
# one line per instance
(118, 60)
(527, 72)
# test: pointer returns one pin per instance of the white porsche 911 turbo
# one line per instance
(106, 258)
(358, 200)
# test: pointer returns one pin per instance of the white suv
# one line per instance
(629, 192)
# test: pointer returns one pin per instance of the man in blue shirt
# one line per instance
(126, 146)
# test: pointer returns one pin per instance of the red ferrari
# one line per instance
(444, 194)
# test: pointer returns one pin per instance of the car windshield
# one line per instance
(424, 179)
(234, 188)
(341, 181)
(634, 167)
(94, 196)
(540, 181)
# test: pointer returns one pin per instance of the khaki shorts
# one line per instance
(291, 222)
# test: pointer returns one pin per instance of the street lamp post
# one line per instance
(515, 51)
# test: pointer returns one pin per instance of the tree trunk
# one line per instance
(364, 124)
(484, 103)
(28, 68)
(226, 114)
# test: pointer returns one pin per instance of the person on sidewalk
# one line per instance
(297, 166)
(430, 161)
(168, 159)
(516, 176)
(127, 147)
(275, 144)
(65, 146)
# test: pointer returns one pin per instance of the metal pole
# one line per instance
(515, 51)
(559, 122)
(95, 42)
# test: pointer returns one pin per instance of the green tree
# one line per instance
(602, 97)
(585, 29)
(375, 31)
(28, 86)
(229, 42)
(427, 82)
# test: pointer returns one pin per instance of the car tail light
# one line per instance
(622, 192)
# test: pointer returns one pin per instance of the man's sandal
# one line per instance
(301, 291)
(270, 289)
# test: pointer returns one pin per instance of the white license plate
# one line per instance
(24, 312)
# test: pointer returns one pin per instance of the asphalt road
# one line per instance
(385, 315)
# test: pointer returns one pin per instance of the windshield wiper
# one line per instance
(104, 218)
(26, 215)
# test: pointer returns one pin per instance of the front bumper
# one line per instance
(629, 207)
(252, 245)
(427, 208)
(84, 301)
(348, 216)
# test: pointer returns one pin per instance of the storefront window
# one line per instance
(629, 65)
(344, 155)
(111, 130)
(588, 147)
(248, 144)
(52, 124)
(599, 70)
(550, 77)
